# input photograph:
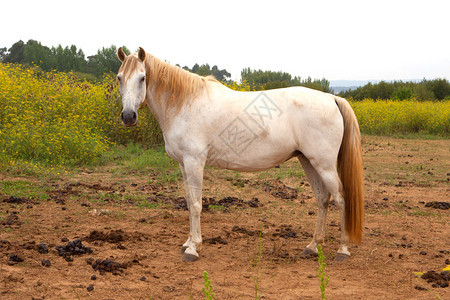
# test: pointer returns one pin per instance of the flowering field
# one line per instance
(388, 117)
(54, 118)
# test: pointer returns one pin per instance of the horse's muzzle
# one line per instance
(129, 118)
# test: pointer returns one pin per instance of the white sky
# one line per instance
(357, 40)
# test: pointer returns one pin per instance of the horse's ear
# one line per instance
(141, 54)
(121, 55)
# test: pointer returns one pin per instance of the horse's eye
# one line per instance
(142, 79)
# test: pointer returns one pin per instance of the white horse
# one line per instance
(206, 123)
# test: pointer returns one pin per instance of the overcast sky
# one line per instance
(353, 40)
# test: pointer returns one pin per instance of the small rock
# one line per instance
(42, 248)
(64, 239)
(90, 288)
(385, 198)
(15, 258)
(143, 278)
(45, 263)
(93, 277)
(423, 252)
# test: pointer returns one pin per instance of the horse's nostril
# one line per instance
(129, 117)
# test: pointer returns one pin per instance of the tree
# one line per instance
(221, 75)
(402, 93)
(206, 70)
(15, 53)
(105, 61)
(440, 88)
(3, 53)
(36, 53)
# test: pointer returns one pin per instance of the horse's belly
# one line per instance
(252, 158)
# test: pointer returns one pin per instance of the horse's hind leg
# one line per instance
(330, 178)
(322, 198)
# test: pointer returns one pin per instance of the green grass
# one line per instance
(134, 157)
(217, 207)
(151, 205)
(24, 189)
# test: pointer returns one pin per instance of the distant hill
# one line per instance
(345, 85)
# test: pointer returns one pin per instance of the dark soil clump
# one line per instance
(73, 248)
(286, 232)
(438, 205)
(12, 219)
(216, 240)
(15, 200)
(279, 190)
(245, 231)
(227, 202)
(437, 279)
(42, 248)
(115, 236)
(107, 265)
(46, 263)
(14, 259)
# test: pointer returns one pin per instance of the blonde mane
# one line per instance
(170, 84)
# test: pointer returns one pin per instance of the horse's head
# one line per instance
(132, 79)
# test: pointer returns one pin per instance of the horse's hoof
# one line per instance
(183, 249)
(308, 252)
(189, 257)
(341, 257)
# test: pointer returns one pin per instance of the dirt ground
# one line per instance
(132, 227)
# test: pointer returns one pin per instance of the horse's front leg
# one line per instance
(192, 169)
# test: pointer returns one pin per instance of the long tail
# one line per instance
(350, 169)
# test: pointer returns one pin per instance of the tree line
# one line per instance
(105, 60)
(267, 80)
(425, 90)
(62, 59)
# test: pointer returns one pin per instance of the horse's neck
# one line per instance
(158, 110)
(165, 115)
